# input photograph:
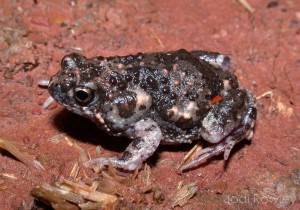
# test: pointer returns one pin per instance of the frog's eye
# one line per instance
(84, 95)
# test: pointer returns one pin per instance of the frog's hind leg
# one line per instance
(222, 127)
(216, 59)
(147, 136)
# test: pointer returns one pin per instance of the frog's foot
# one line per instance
(216, 59)
(225, 136)
(147, 137)
(114, 161)
(203, 155)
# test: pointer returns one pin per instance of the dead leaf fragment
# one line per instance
(181, 196)
(285, 110)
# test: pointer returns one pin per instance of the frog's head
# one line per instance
(77, 86)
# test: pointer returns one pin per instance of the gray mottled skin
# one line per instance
(171, 98)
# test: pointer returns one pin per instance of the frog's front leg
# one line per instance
(147, 136)
(228, 122)
(49, 100)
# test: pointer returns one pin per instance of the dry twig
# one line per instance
(246, 5)
(196, 148)
(12, 149)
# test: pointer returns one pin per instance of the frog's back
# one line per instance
(174, 88)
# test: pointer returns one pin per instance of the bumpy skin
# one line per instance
(173, 97)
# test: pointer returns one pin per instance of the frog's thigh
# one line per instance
(146, 140)
(227, 123)
(216, 59)
(226, 115)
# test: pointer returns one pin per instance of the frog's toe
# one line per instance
(115, 162)
(48, 102)
(216, 59)
(100, 162)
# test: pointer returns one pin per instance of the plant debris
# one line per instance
(190, 154)
(67, 193)
(89, 188)
(108, 190)
(12, 149)
(183, 194)
(246, 5)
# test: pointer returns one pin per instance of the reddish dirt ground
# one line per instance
(265, 48)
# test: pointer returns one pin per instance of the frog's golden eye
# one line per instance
(84, 95)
